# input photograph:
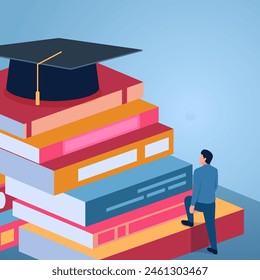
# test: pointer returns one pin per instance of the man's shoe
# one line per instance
(187, 223)
(213, 251)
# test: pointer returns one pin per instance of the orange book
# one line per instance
(93, 163)
(83, 133)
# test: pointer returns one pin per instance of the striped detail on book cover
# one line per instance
(108, 230)
(111, 196)
(9, 230)
(83, 133)
(22, 118)
(165, 241)
(93, 163)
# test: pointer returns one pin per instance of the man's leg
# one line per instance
(209, 216)
(190, 221)
(187, 202)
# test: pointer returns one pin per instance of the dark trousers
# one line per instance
(209, 216)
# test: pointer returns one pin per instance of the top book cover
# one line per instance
(53, 82)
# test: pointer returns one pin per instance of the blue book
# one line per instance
(114, 195)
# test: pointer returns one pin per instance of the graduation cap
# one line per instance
(56, 69)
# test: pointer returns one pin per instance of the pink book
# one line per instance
(106, 231)
(83, 133)
(5, 199)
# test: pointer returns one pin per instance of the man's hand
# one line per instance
(192, 209)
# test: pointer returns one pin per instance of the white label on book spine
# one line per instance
(107, 165)
(157, 147)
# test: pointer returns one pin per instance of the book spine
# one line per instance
(52, 223)
(43, 249)
(99, 135)
(46, 201)
(19, 148)
(139, 224)
(12, 126)
(26, 171)
(5, 199)
(113, 162)
(137, 214)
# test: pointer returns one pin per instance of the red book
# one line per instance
(164, 241)
(185, 242)
(21, 117)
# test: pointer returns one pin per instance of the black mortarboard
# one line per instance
(60, 69)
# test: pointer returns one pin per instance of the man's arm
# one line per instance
(196, 188)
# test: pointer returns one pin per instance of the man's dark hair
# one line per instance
(208, 155)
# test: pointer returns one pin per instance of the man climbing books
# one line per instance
(203, 197)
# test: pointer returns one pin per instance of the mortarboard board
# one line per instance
(56, 69)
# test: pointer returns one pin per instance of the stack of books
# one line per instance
(96, 179)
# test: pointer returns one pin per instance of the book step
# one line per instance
(165, 241)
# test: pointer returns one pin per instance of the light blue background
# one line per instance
(200, 65)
